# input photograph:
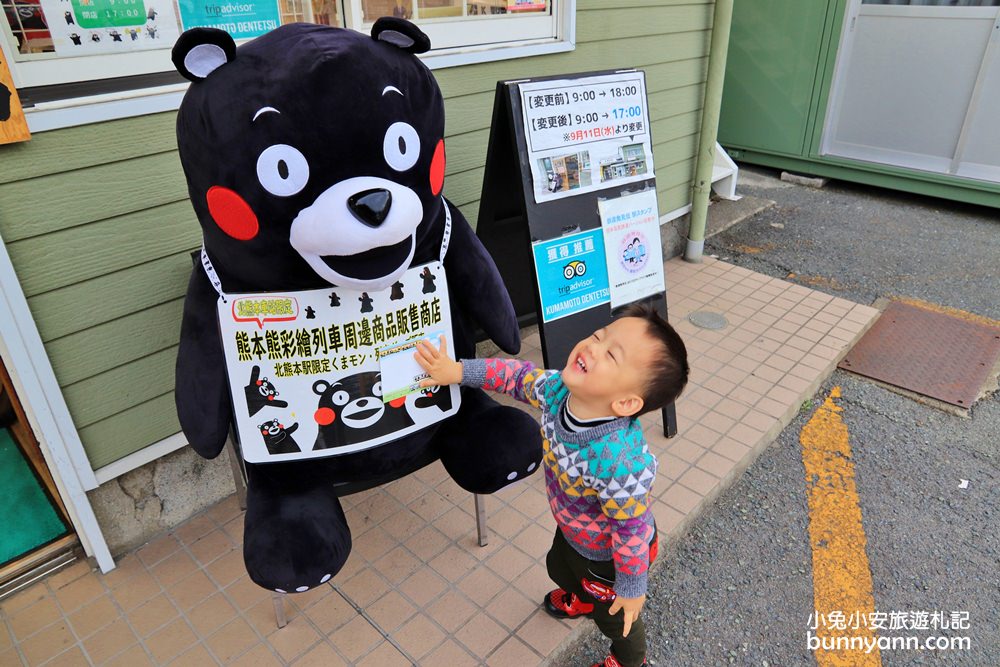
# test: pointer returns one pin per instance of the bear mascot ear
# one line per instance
(401, 33)
(200, 51)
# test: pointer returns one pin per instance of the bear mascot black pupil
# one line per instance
(315, 159)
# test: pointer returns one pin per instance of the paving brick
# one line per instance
(699, 481)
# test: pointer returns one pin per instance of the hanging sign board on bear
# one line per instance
(305, 368)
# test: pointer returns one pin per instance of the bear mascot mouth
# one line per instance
(382, 215)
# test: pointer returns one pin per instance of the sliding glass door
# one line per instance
(917, 85)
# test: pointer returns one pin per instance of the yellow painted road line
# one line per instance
(842, 580)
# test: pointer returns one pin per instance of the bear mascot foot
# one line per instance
(296, 535)
(487, 446)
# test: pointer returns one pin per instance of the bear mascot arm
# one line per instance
(478, 286)
(202, 389)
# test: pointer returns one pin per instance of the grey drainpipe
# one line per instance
(709, 129)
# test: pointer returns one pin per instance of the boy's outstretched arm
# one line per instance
(518, 379)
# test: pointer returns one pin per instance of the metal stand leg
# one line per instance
(279, 609)
(239, 475)
(481, 529)
(669, 421)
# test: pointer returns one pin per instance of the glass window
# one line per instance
(54, 42)
(428, 10)
(464, 23)
(27, 25)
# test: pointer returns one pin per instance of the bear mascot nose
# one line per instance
(371, 206)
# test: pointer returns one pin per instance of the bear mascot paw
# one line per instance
(314, 158)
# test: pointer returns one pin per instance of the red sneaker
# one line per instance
(561, 604)
(612, 661)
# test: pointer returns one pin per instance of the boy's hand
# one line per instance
(630, 607)
(441, 368)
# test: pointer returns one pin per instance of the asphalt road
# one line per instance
(738, 588)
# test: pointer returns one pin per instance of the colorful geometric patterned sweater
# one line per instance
(598, 481)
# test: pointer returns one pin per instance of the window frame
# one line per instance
(72, 110)
(469, 32)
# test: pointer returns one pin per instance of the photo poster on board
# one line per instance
(551, 248)
(634, 255)
(586, 134)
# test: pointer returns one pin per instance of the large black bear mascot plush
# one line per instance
(315, 158)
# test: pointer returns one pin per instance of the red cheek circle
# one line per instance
(233, 215)
(398, 403)
(437, 168)
(324, 416)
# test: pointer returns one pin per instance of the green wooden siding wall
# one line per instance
(97, 223)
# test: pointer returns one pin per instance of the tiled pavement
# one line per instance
(417, 588)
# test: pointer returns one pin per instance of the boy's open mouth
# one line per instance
(581, 364)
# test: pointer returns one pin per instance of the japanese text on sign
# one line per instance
(595, 108)
(305, 368)
(586, 134)
(302, 343)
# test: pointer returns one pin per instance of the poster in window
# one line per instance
(586, 134)
(243, 19)
(306, 373)
(525, 6)
(632, 245)
(90, 27)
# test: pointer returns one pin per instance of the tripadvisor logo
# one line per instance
(574, 269)
(230, 8)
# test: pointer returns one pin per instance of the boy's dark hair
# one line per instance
(669, 373)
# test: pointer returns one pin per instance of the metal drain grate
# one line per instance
(928, 352)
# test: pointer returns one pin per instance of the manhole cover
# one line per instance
(707, 320)
(928, 352)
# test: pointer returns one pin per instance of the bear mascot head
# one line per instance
(315, 159)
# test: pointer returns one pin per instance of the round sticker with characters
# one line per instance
(632, 251)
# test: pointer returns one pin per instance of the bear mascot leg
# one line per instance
(295, 531)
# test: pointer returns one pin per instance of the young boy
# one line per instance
(598, 469)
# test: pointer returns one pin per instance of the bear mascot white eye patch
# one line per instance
(299, 187)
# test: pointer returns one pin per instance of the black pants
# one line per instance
(567, 568)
